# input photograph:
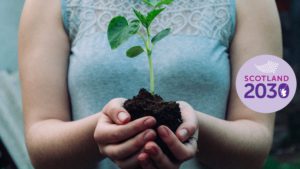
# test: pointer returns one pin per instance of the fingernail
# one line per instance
(149, 122)
(122, 116)
(148, 136)
(183, 133)
(164, 131)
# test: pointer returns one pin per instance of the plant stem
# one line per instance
(142, 37)
(149, 54)
(151, 74)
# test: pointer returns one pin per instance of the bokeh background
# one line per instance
(285, 152)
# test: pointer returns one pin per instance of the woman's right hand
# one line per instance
(119, 138)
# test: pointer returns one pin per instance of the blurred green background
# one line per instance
(285, 152)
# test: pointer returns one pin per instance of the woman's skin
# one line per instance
(242, 140)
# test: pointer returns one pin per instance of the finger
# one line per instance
(129, 147)
(190, 122)
(116, 112)
(158, 157)
(145, 161)
(129, 163)
(181, 151)
(106, 133)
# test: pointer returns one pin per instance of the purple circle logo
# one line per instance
(266, 84)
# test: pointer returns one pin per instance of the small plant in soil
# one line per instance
(146, 103)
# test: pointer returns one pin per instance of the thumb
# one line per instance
(190, 122)
(185, 131)
(116, 112)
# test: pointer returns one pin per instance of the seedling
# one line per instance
(145, 103)
(120, 30)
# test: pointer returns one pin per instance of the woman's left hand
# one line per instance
(183, 144)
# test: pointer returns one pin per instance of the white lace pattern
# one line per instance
(209, 18)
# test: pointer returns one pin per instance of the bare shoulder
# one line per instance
(42, 9)
(256, 7)
(258, 21)
(39, 17)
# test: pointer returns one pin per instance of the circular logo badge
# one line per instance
(266, 83)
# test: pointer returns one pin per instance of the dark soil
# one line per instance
(165, 113)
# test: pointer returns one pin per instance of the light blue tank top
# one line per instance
(191, 64)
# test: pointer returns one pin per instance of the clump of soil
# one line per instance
(165, 113)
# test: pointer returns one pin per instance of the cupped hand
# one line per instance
(183, 144)
(119, 138)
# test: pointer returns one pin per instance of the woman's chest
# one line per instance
(180, 62)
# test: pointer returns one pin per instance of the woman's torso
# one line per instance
(191, 64)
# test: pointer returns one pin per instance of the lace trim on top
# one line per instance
(209, 18)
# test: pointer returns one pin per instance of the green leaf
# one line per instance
(163, 2)
(134, 26)
(152, 15)
(162, 34)
(151, 3)
(140, 16)
(119, 30)
(134, 51)
(157, 3)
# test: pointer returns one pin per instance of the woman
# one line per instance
(69, 73)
